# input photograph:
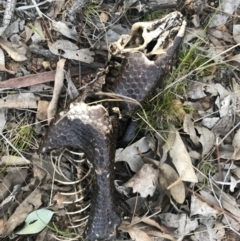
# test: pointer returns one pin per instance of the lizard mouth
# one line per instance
(151, 38)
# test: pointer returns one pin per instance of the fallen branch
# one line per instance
(34, 79)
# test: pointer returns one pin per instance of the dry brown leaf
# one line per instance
(19, 101)
(15, 176)
(14, 160)
(236, 145)
(138, 235)
(199, 207)
(227, 9)
(193, 33)
(213, 232)
(188, 127)
(151, 228)
(148, 221)
(236, 33)
(181, 158)
(180, 223)
(235, 58)
(64, 29)
(162, 236)
(167, 177)
(48, 168)
(221, 35)
(68, 50)
(229, 203)
(179, 110)
(224, 125)
(236, 171)
(207, 139)
(145, 181)
(196, 90)
(38, 34)
(104, 17)
(59, 78)
(42, 109)
(2, 63)
(16, 52)
(55, 9)
(2, 119)
(30, 203)
(131, 154)
(135, 232)
(2, 224)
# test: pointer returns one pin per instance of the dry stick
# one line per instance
(59, 78)
(213, 205)
(40, 78)
(8, 13)
(218, 161)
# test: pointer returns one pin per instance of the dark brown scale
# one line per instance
(139, 78)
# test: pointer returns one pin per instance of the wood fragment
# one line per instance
(59, 78)
(34, 79)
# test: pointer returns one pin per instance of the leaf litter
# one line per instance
(182, 186)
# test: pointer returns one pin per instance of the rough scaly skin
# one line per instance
(91, 129)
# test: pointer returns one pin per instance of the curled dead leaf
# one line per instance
(16, 52)
(104, 17)
(180, 157)
(145, 181)
(169, 179)
(135, 232)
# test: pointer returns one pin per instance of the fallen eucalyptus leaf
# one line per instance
(2, 63)
(131, 155)
(145, 181)
(71, 51)
(207, 139)
(17, 101)
(236, 34)
(63, 28)
(16, 51)
(167, 177)
(199, 207)
(226, 9)
(2, 119)
(36, 221)
(135, 232)
(14, 160)
(181, 223)
(208, 232)
(180, 157)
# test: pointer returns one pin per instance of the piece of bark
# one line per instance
(29, 204)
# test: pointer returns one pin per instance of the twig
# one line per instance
(34, 79)
(8, 13)
(213, 205)
(218, 161)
